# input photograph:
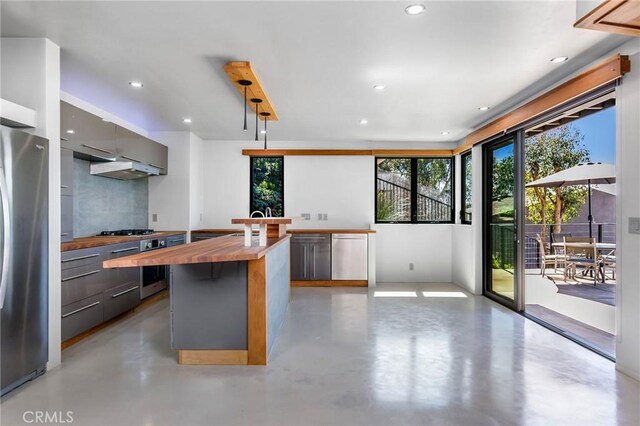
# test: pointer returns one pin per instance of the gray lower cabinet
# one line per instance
(81, 316)
(176, 240)
(311, 257)
(120, 299)
(205, 236)
(92, 294)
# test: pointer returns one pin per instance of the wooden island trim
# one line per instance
(222, 249)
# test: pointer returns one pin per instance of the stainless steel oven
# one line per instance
(154, 278)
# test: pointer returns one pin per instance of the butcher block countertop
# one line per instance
(99, 241)
(222, 249)
(291, 231)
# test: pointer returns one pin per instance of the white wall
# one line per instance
(196, 182)
(466, 251)
(342, 187)
(177, 197)
(30, 76)
(169, 195)
(628, 205)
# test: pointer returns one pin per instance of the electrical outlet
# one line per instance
(325, 216)
(319, 216)
(154, 217)
(411, 266)
(306, 216)
(634, 225)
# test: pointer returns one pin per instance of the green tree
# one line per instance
(548, 153)
(267, 190)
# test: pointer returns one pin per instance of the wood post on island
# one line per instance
(270, 227)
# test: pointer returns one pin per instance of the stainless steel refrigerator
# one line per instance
(24, 230)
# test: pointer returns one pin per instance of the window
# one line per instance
(267, 185)
(465, 213)
(414, 190)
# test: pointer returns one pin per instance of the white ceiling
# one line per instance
(317, 60)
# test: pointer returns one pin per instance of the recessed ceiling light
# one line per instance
(136, 84)
(71, 132)
(484, 108)
(263, 132)
(414, 9)
(106, 120)
(559, 59)
(379, 86)
(445, 133)
(186, 120)
(363, 121)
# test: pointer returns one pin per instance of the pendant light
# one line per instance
(265, 115)
(245, 83)
(257, 101)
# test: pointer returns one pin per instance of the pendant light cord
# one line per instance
(245, 109)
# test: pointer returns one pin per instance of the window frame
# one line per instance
(463, 186)
(414, 191)
(251, 162)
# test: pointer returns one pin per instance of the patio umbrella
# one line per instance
(582, 174)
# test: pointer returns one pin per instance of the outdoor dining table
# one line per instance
(608, 248)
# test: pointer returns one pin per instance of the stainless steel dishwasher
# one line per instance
(349, 257)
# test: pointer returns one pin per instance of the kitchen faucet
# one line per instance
(268, 212)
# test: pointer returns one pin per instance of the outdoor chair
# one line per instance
(546, 258)
(608, 261)
(583, 256)
(558, 237)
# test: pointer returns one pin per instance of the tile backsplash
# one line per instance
(101, 203)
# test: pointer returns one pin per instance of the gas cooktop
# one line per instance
(126, 232)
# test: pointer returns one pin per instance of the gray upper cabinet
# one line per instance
(159, 157)
(131, 146)
(87, 134)
(134, 147)
(92, 138)
(66, 172)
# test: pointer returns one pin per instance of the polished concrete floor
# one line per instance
(345, 357)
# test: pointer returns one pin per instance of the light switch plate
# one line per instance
(634, 225)
(154, 217)
(306, 216)
(319, 216)
(324, 216)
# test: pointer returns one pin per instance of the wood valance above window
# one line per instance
(593, 78)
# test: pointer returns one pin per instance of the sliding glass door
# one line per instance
(501, 201)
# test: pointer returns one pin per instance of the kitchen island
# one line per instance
(228, 300)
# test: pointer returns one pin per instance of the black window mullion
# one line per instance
(414, 190)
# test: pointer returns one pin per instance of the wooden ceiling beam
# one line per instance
(362, 152)
(242, 70)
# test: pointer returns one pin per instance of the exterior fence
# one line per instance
(397, 199)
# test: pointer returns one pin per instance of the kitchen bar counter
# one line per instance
(222, 249)
(228, 301)
(99, 241)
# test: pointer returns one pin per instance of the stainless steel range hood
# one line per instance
(123, 170)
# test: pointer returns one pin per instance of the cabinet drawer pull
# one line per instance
(81, 309)
(160, 167)
(132, 159)
(123, 250)
(81, 275)
(113, 296)
(178, 240)
(64, 234)
(81, 257)
(64, 186)
(98, 149)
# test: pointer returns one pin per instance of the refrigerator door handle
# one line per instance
(6, 236)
